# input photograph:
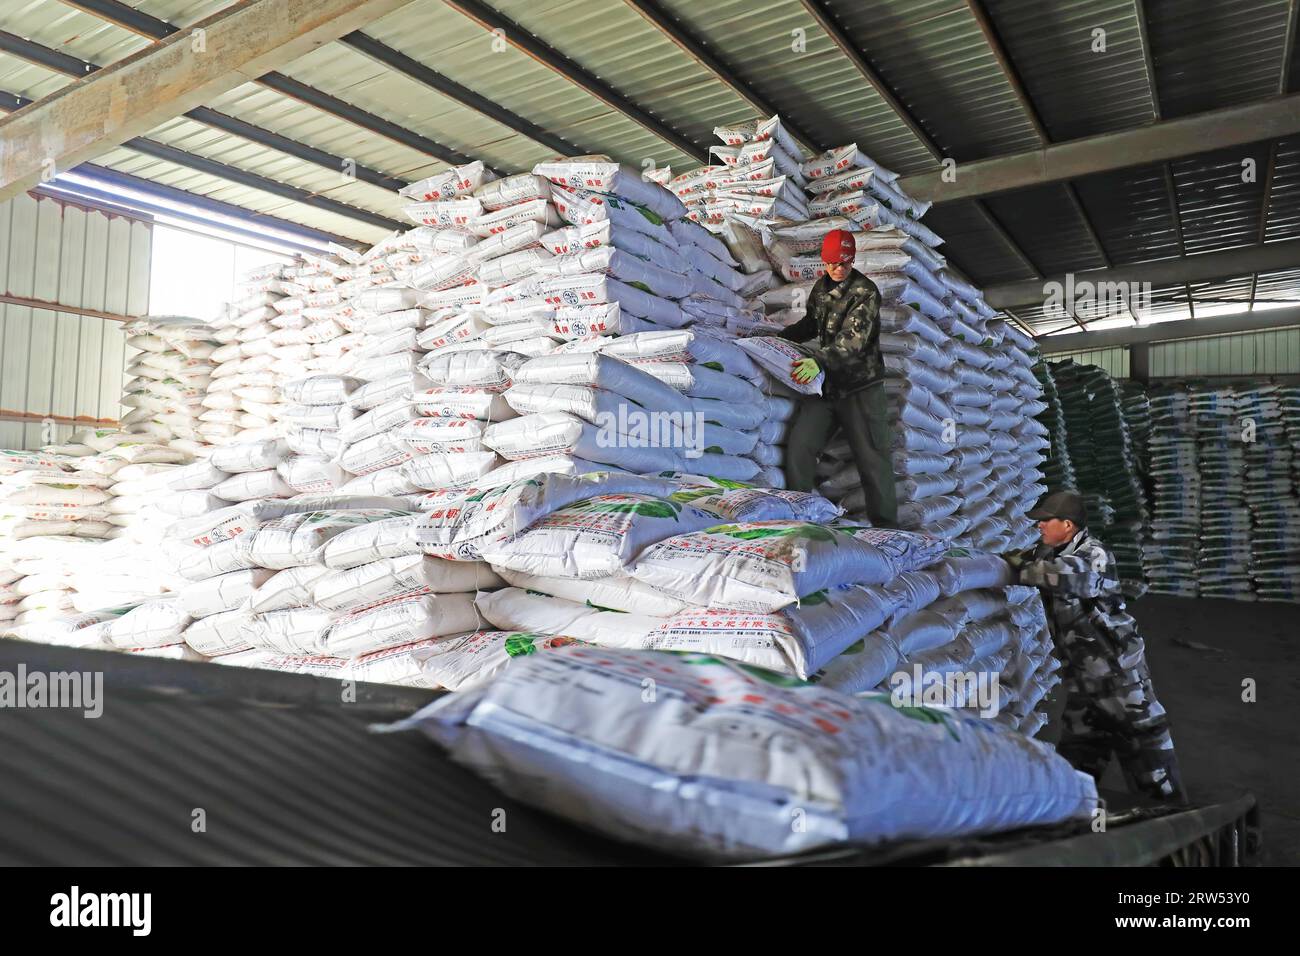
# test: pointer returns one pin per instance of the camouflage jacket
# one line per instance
(1081, 591)
(842, 331)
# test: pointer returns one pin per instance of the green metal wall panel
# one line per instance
(1267, 352)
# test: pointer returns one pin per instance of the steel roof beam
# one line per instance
(1272, 118)
(825, 19)
(1179, 270)
(71, 66)
(514, 34)
(221, 170)
(118, 13)
(1012, 76)
(108, 202)
(148, 88)
(1284, 76)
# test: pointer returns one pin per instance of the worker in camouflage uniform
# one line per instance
(1110, 707)
(841, 333)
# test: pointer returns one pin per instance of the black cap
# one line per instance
(1067, 505)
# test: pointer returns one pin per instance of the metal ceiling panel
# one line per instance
(1222, 297)
(819, 88)
(1131, 212)
(932, 54)
(973, 246)
(456, 46)
(27, 79)
(281, 114)
(1210, 55)
(1278, 287)
(68, 30)
(1284, 202)
(202, 184)
(1220, 197)
(617, 44)
(1078, 88)
(1046, 224)
(200, 140)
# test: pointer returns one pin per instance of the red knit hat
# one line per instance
(838, 246)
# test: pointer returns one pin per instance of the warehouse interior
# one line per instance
(1116, 181)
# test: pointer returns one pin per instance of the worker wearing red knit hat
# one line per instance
(841, 334)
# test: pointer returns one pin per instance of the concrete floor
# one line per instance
(1225, 744)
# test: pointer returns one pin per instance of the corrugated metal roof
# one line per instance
(1046, 224)
(659, 77)
(1220, 208)
(280, 114)
(817, 86)
(462, 50)
(933, 54)
(65, 28)
(1284, 202)
(972, 245)
(1132, 213)
(27, 79)
(1077, 88)
(1216, 54)
(170, 174)
(1278, 286)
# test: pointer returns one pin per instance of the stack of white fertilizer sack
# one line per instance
(294, 320)
(780, 586)
(1105, 464)
(528, 422)
(962, 390)
(82, 522)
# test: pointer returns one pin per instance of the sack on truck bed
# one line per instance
(671, 777)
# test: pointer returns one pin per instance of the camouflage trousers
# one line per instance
(1111, 710)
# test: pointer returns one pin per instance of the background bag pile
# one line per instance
(1105, 464)
(1223, 468)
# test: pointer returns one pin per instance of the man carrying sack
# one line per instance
(841, 333)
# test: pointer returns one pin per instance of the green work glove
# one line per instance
(804, 370)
